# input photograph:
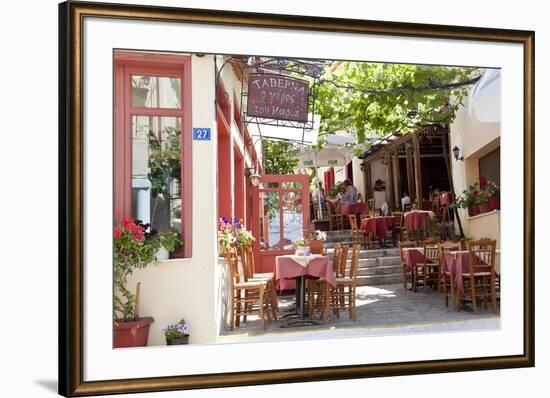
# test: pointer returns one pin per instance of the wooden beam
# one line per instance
(397, 194)
(368, 181)
(410, 174)
(417, 171)
(389, 179)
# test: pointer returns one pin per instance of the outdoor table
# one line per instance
(354, 208)
(417, 221)
(413, 255)
(299, 268)
(378, 226)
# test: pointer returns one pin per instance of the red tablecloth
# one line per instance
(458, 263)
(378, 225)
(445, 199)
(417, 220)
(290, 267)
(354, 208)
(413, 255)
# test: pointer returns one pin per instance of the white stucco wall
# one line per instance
(476, 132)
(188, 288)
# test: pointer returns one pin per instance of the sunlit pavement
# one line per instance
(381, 310)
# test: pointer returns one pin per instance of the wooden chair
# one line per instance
(247, 298)
(318, 289)
(404, 272)
(427, 272)
(354, 229)
(479, 283)
(247, 258)
(371, 203)
(399, 227)
(446, 279)
(343, 296)
(335, 215)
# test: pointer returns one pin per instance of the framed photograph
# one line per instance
(256, 199)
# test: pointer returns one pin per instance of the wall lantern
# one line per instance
(253, 175)
(456, 153)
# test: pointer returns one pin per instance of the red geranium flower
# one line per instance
(482, 182)
(118, 232)
(475, 193)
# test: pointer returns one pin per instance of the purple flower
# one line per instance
(185, 329)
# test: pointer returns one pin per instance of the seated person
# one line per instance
(318, 196)
(350, 192)
(405, 202)
(385, 209)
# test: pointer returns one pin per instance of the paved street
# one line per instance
(383, 309)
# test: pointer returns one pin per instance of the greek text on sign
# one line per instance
(278, 97)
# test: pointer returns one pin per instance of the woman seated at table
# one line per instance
(350, 192)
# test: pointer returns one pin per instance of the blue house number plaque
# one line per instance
(201, 134)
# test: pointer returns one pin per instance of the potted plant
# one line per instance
(232, 235)
(168, 242)
(483, 196)
(301, 247)
(493, 193)
(133, 248)
(316, 243)
(176, 333)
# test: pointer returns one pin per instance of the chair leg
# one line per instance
(326, 300)
(232, 314)
(404, 275)
(262, 317)
(474, 296)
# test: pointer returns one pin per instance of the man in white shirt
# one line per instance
(405, 200)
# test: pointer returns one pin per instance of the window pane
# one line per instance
(156, 92)
(489, 166)
(292, 219)
(156, 171)
(270, 226)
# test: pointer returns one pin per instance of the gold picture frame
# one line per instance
(71, 16)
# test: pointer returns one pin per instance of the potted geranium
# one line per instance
(493, 193)
(134, 247)
(176, 333)
(484, 195)
(316, 242)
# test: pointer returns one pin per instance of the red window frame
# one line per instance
(165, 65)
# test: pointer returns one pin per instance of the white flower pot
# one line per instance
(162, 254)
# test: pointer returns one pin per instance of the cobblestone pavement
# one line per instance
(383, 309)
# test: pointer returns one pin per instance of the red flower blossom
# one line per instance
(482, 182)
(128, 223)
(117, 232)
(475, 193)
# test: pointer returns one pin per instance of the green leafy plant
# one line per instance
(169, 240)
(300, 243)
(134, 247)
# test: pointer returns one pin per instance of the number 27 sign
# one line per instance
(201, 134)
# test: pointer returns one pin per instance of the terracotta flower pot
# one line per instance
(132, 334)
(316, 246)
(179, 341)
(494, 202)
(484, 208)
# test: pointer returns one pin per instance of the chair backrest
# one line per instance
(330, 208)
(343, 261)
(355, 251)
(398, 218)
(482, 253)
(249, 267)
(363, 215)
(404, 244)
(371, 203)
(353, 222)
(433, 241)
(447, 246)
(431, 252)
(336, 254)
(237, 274)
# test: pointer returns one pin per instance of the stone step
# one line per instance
(372, 280)
(379, 270)
(373, 253)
